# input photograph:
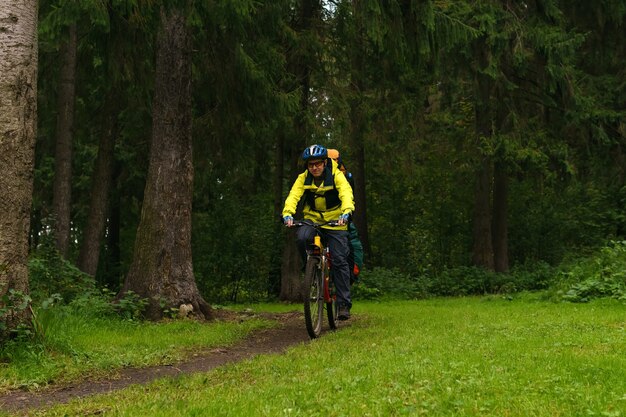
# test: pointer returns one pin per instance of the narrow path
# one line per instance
(291, 331)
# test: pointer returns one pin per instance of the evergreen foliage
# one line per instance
(393, 82)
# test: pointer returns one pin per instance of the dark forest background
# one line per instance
(486, 138)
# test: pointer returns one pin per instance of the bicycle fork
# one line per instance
(325, 260)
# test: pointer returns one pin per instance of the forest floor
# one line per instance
(289, 332)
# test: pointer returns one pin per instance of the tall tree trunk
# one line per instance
(100, 189)
(500, 226)
(291, 267)
(161, 270)
(111, 273)
(279, 171)
(358, 126)
(360, 201)
(18, 125)
(500, 221)
(62, 189)
(482, 250)
(290, 288)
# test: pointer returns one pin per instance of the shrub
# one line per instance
(600, 275)
(51, 274)
(387, 283)
(532, 276)
(52, 277)
(131, 306)
(94, 303)
(471, 280)
(460, 281)
(463, 281)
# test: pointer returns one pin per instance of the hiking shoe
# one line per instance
(344, 313)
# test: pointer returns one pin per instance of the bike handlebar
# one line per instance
(298, 223)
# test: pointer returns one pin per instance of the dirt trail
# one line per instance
(290, 332)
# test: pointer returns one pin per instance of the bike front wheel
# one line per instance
(313, 297)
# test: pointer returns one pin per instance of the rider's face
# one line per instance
(316, 167)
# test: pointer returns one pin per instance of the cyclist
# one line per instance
(327, 196)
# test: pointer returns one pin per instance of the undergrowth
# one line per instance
(78, 329)
(597, 276)
(601, 274)
(71, 317)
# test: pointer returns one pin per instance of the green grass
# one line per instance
(77, 345)
(442, 357)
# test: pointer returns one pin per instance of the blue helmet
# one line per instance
(314, 152)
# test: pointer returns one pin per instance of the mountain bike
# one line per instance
(319, 288)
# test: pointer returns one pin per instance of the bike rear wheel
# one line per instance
(313, 297)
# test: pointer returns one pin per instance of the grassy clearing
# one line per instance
(462, 357)
(76, 345)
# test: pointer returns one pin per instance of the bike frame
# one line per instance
(323, 281)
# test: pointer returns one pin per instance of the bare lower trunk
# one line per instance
(18, 124)
(100, 188)
(291, 266)
(291, 283)
(62, 189)
(482, 251)
(111, 274)
(358, 128)
(290, 269)
(274, 284)
(360, 200)
(500, 219)
(161, 270)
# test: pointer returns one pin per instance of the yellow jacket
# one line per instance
(324, 203)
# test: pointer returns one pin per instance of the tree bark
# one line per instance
(500, 221)
(500, 226)
(62, 188)
(291, 267)
(279, 172)
(274, 283)
(360, 200)
(18, 125)
(161, 270)
(100, 189)
(290, 287)
(358, 128)
(111, 273)
(482, 249)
